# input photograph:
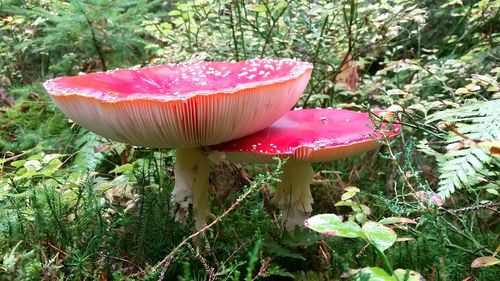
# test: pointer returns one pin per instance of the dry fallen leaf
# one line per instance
(5, 98)
(484, 262)
(348, 76)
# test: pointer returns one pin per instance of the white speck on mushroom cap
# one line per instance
(160, 82)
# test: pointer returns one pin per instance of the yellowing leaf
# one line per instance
(495, 150)
(408, 275)
(473, 87)
(350, 192)
(461, 91)
(484, 262)
(492, 191)
(404, 239)
(394, 220)
(493, 146)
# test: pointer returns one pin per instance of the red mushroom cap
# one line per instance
(183, 105)
(312, 135)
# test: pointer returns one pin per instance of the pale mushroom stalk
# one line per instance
(293, 194)
(191, 184)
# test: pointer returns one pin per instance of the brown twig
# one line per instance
(12, 158)
(168, 259)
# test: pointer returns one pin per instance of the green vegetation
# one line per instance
(75, 206)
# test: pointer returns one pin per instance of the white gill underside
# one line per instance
(293, 195)
(191, 185)
(193, 122)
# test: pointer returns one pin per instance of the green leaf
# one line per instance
(257, 8)
(281, 5)
(174, 13)
(372, 274)
(346, 203)
(123, 168)
(331, 224)
(379, 235)
(18, 163)
(407, 275)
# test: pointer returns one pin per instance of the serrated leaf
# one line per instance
(88, 158)
(331, 224)
(379, 235)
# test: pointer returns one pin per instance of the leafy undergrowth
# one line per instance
(75, 206)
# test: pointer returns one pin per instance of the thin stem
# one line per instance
(387, 264)
(238, 11)
(274, 22)
(168, 259)
(97, 46)
(233, 33)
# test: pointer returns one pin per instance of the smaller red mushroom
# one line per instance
(306, 136)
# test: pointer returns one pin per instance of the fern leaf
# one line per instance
(466, 167)
(86, 158)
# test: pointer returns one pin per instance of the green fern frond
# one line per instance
(469, 165)
(462, 170)
(86, 159)
(477, 120)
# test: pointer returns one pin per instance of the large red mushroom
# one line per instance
(184, 106)
(306, 136)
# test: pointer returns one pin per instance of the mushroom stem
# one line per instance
(191, 185)
(293, 194)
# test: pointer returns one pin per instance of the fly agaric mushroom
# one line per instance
(183, 106)
(305, 136)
